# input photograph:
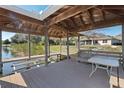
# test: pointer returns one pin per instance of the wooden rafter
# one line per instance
(90, 15)
(73, 21)
(10, 29)
(81, 18)
(112, 9)
(101, 24)
(102, 13)
(69, 13)
(6, 13)
(111, 6)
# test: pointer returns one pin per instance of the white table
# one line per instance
(104, 62)
(108, 62)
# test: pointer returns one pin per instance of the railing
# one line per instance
(30, 63)
(27, 58)
(103, 53)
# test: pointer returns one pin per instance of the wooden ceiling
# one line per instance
(70, 18)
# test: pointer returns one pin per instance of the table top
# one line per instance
(105, 60)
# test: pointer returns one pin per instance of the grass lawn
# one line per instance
(56, 48)
(38, 49)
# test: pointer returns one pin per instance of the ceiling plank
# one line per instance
(73, 21)
(90, 15)
(81, 18)
(9, 14)
(69, 13)
(100, 24)
(25, 31)
(111, 6)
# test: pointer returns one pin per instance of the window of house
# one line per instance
(95, 42)
(104, 41)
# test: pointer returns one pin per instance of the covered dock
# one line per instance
(63, 22)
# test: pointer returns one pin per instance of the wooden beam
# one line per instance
(100, 24)
(1, 64)
(68, 46)
(102, 13)
(70, 13)
(49, 45)
(12, 29)
(113, 10)
(73, 21)
(29, 46)
(81, 18)
(90, 15)
(9, 14)
(60, 46)
(111, 6)
(46, 44)
(123, 41)
(78, 43)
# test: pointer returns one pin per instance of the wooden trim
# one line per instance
(67, 45)
(78, 43)
(123, 41)
(100, 24)
(29, 46)
(90, 15)
(12, 29)
(6, 13)
(1, 65)
(69, 13)
(46, 44)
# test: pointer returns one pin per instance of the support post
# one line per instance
(1, 64)
(123, 42)
(46, 45)
(68, 46)
(60, 46)
(29, 46)
(49, 45)
(78, 43)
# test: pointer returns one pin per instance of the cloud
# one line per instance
(40, 12)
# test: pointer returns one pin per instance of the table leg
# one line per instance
(93, 70)
(109, 70)
(118, 76)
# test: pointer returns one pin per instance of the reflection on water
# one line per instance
(6, 52)
(7, 68)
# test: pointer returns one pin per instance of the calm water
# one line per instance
(6, 54)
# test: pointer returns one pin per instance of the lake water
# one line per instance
(6, 54)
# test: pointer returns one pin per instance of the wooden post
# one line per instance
(68, 46)
(29, 46)
(60, 46)
(49, 45)
(123, 41)
(46, 45)
(1, 64)
(78, 43)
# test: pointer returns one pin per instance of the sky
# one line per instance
(34, 8)
(112, 31)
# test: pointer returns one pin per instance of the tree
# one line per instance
(19, 38)
(6, 41)
(36, 39)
